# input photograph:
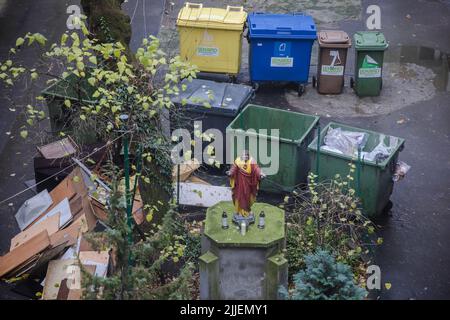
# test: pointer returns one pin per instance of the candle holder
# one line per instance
(224, 220)
(262, 220)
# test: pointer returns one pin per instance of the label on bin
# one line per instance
(208, 51)
(333, 70)
(281, 62)
(369, 68)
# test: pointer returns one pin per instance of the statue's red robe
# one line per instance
(244, 181)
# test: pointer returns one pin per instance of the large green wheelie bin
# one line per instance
(75, 90)
(296, 131)
(370, 47)
(372, 180)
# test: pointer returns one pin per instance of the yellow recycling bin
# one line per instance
(210, 38)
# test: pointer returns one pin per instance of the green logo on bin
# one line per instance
(332, 70)
(369, 68)
(207, 51)
(281, 62)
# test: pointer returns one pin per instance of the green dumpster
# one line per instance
(372, 179)
(253, 129)
(370, 47)
(75, 90)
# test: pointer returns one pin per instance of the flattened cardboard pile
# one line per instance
(52, 241)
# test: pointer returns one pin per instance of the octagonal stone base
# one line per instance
(237, 267)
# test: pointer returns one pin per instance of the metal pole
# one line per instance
(178, 184)
(129, 207)
(318, 151)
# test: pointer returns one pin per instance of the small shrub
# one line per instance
(324, 279)
(327, 215)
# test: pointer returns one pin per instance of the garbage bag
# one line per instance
(401, 169)
(382, 151)
(347, 142)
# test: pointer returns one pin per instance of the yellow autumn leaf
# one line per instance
(24, 134)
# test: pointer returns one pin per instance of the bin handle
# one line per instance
(235, 8)
(190, 5)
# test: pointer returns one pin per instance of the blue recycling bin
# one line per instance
(280, 47)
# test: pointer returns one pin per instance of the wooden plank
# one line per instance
(186, 169)
(99, 259)
(57, 271)
(62, 191)
(76, 294)
(21, 254)
(58, 149)
(76, 205)
(69, 234)
(51, 225)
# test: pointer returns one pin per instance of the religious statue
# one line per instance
(245, 175)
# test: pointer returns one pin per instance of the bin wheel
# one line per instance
(352, 82)
(232, 78)
(301, 90)
(255, 86)
(314, 81)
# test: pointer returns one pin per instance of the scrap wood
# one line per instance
(23, 253)
(51, 225)
(76, 205)
(50, 253)
(71, 233)
(58, 149)
(64, 293)
(65, 215)
(98, 258)
(57, 271)
(99, 211)
(63, 190)
(88, 213)
(186, 169)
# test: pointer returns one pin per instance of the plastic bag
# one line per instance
(347, 142)
(401, 169)
(381, 151)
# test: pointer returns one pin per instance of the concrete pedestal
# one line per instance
(237, 267)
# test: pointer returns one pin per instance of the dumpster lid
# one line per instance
(370, 40)
(334, 39)
(195, 15)
(295, 26)
(224, 98)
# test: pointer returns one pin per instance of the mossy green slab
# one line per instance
(255, 237)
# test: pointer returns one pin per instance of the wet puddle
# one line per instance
(411, 75)
(430, 58)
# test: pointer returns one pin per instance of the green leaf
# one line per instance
(34, 76)
(24, 134)
(83, 117)
(19, 41)
(67, 103)
(64, 38)
(40, 39)
(93, 59)
(92, 81)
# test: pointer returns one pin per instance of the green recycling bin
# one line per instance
(75, 90)
(375, 164)
(370, 47)
(282, 156)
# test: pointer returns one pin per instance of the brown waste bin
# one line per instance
(333, 47)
